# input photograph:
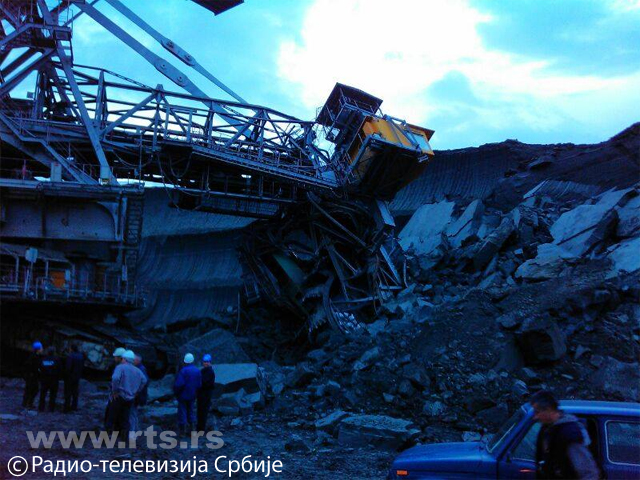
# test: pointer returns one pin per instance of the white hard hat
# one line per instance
(188, 358)
(129, 356)
(119, 352)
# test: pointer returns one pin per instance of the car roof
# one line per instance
(599, 407)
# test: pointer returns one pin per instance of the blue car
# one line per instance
(614, 428)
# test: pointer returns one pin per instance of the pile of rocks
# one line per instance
(532, 284)
(501, 304)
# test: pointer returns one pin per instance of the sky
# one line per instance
(475, 71)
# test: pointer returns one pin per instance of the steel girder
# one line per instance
(248, 136)
(325, 260)
(215, 155)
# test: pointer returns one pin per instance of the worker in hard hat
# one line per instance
(108, 412)
(126, 383)
(117, 355)
(50, 373)
(206, 392)
(32, 375)
(188, 382)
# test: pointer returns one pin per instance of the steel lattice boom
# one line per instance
(94, 137)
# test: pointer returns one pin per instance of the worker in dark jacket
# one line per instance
(188, 382)
(72, 375)
(205, 393)
(32, 375)
(50, 371)
(141, 397)
(562, 447)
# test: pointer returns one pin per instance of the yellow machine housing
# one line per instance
(386, 155)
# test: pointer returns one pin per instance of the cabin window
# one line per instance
(420, 140)
(623, 442)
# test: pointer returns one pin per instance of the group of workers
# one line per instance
(129, 384)
(194, 386)
(43, 371)
(129, 387)
(561, 447)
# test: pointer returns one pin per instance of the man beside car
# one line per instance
(562, 447)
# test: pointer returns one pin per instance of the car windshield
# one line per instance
(508, 426)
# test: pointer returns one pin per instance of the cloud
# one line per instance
(593, 37)
(430, 61)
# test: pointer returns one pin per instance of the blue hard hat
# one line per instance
(206, 358)
(37, 345)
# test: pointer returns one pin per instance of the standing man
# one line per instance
(205, 392)
(72, 376)
(188, 381)
(32, 375)
(108, 412)
(141, 398)
(49, 379)
(126, 383)
(562, 445)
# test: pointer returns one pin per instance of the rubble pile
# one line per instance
(532, 284)
(501, 302)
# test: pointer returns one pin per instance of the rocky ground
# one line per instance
(531, 283)
(259, 434)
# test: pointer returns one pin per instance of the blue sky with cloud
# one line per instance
(476, 71)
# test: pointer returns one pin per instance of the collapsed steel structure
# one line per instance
(77, 151)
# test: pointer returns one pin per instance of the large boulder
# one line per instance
(629, 218)
(494, 241)
(540, 341)
(161, 390)
(238, 403)
(619, 379)
(231, 378)
(378, 431)
(330, 422)
(274, 376)
(465, 228)
(579, 230)
(423, 235)
(221, 344)
(423, 231)
(625, 257)
(550, 262)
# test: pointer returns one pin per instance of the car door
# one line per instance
(519, 459)
(621, 448)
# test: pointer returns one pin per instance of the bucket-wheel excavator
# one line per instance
(79, 143)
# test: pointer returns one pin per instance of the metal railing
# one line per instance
(35, 284)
